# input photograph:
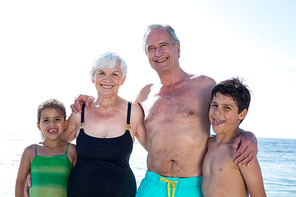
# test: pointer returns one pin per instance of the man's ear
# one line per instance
(178, 49)
(243, 114)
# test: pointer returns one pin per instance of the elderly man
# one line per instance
(177, 122)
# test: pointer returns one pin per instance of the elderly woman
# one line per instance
(105, 133)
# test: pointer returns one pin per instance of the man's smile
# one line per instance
(162, 60)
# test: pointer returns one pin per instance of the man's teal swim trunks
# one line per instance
(158, 186)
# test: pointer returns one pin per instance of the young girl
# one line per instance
(50, 161)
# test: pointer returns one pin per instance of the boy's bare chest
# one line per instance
(219, 160)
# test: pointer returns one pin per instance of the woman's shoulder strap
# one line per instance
(129, 106)
(82, 113)
(81, 126)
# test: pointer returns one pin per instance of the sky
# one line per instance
(47, 48)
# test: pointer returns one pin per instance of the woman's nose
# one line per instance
(107, 78)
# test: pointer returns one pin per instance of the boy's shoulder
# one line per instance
(212, 141)
(220, 151)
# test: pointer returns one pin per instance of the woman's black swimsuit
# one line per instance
(102, 168)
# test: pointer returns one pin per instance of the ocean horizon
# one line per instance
(277, 158)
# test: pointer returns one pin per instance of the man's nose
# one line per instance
(158, 51)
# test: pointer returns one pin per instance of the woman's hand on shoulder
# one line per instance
(79, 101)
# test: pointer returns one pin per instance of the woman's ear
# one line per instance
(122, 81)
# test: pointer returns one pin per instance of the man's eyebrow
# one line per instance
(163, 43)
(149, 47)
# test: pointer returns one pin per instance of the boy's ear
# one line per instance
(243, 114)
(66, 124)
(38, 125)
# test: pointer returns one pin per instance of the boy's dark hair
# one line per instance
(51, 103)
(237, 90)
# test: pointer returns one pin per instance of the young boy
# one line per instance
(221, 176)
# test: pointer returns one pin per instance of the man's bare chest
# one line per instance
(178, 104)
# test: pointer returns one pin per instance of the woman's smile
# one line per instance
(107, 86)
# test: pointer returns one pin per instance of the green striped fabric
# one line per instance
(50, 176)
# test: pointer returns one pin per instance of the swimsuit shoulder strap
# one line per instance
(82, 117)
(128, 126)
(82, 114)
(67, 149)
(35, 149)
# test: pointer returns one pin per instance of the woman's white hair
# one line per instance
(108, 60)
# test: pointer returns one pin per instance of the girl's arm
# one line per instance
(24, 169)
(137, 124)
(72, 129)
(253, 179)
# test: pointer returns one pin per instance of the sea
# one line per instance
(277, 158)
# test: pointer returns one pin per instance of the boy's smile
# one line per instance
(217, 122)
